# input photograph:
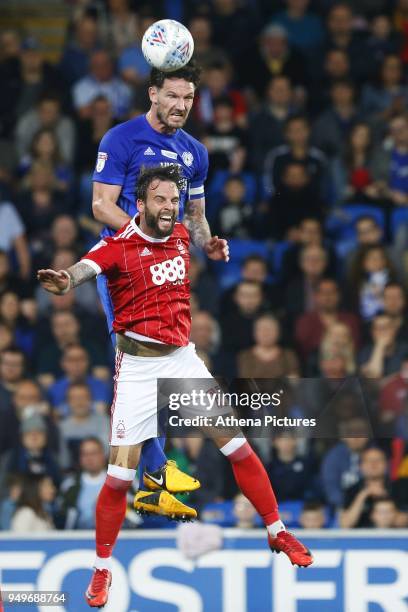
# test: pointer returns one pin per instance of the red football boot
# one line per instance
(295, 550)
(98, 589)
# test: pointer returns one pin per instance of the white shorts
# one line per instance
(134, 412)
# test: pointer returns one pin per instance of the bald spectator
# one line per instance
(75, 365)
(311, 326)
(101, 80)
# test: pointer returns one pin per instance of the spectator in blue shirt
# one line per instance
(304, 30)
(341, 465)
(75, 365)
(75, 59)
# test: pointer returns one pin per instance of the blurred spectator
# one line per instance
(12, 369)
(81, 420)
(234, 28)
(267, 359)
(338, 340)
(11, 315)
(132, 66)
(75, 58)
(389, 96)
(383, 40)
(84, 297)
(90, 132)
(312, 325)
(44, 150)
(395, 306)
(80, 491)
(204, 285)
(336, 67)
(304, 29)
(46, 114)
(384, 513)
(266, 126)
(12, 237)
(65, 330)
(75, 366)
(225, 141)
(300, 291)
(235, 215)
(217, 84)
(340, 35)
(340, 466)
(391, 170)
(309, 233)
(32, 455)
(352, 170)
(297, 151)
(255, 268)
(394, 394)
(205, 333)
(383, 355)
(101, 80)
(6, 337)
(333, 127)
(13, 490)
(287, 207)
(10, 48)
(312, 515)
(40, 201)
(121, 28)
(359, 499)
(243, 512)
(205, 53)
(272, 57)
(35, 76)
(34, 507)
(372, 271)
(8, 280)
(237, 325)
(292, 475)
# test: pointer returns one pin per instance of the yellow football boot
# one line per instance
(171, 479)
(163, 504)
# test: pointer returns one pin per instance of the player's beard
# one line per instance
(164, 119)
(152, 221)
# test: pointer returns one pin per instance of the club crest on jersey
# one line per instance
(120, 430)
(187, 158)
(170, 154)
(100, 164)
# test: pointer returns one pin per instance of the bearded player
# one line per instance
(156, 138)
(146, 266)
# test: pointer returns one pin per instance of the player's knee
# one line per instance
(125, 456)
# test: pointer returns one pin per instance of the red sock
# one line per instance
(110, 513)
(252, 479)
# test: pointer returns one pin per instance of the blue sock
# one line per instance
(152, 458)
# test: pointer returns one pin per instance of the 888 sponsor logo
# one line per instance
(170, 270)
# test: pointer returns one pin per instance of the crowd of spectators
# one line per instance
(303, 109)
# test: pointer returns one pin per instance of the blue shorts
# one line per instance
(106, 301)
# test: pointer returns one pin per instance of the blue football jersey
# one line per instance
(127, 147)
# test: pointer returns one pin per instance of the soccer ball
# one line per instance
(167, 45)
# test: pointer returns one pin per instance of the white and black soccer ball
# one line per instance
(167, 45)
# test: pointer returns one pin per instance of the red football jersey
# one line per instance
(148, 282)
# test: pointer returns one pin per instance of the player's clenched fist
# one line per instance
(54, 282)
(217, 249)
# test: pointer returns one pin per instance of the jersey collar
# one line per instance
(145, 236)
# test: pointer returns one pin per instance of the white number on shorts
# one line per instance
(169, 270)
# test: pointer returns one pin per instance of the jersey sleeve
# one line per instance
(104, 257)
(196, 186)
(112, 159)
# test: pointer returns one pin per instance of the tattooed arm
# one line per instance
(61, 282)
(200, 233)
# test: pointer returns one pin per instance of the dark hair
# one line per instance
(366, 217)
(93, 439)
(148, 174)
(191, 73)
(383, 498)
(312, 505)
(30, 494)
(297, 117)
(254, 257)
(56, 157)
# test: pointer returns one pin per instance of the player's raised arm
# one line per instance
(62, 281)
(104, 206)
(200, 233)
